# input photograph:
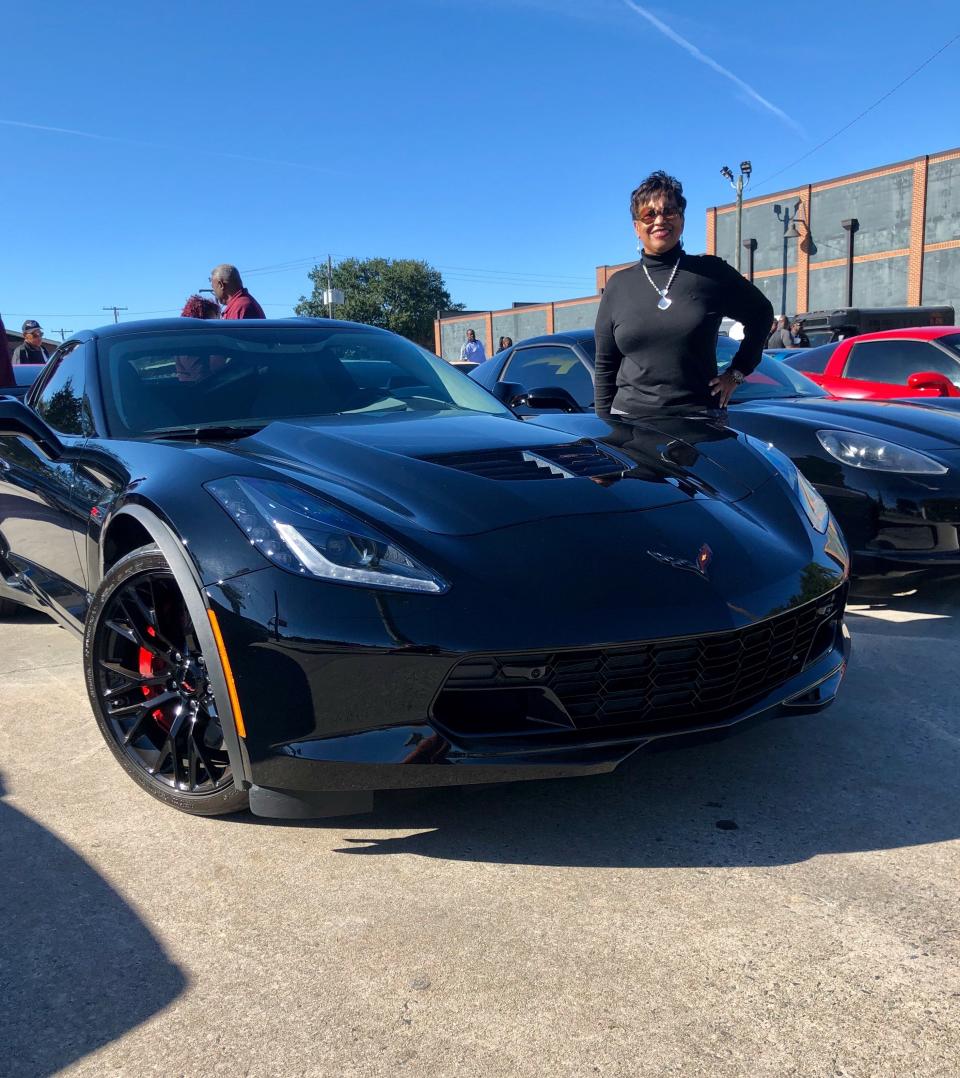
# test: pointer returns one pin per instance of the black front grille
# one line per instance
(574, 460)
(645, 686)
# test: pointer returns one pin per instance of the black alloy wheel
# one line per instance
(149, 685)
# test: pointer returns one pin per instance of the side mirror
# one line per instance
(931, 383)
(548, 397)
(19, 421)
(507, 392)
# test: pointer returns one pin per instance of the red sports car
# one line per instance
(920, 362)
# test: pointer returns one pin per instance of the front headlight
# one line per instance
(817, 510)
(306, 535)
(875, 454)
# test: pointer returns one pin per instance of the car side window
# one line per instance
(812, 360)
(894, 361)
(61, 399)
(537, 367)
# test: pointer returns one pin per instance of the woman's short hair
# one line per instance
(657, 183)
(199, 307)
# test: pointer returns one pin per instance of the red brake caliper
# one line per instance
(149, 666)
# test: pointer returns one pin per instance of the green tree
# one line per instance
(402, 294)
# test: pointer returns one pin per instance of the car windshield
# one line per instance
(245, 375)
(951, 341)
(771, 379)
(589, 345)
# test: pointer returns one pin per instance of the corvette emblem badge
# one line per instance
(704, 558)
(700, 566)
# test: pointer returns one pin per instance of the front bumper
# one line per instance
(901, 529)
(381, 712)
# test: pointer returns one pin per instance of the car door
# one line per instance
(539, 366)
(42, 526)
(891, 363)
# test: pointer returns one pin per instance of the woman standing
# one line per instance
(657, 323)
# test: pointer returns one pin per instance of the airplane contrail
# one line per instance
(689, 47)
(158, 146)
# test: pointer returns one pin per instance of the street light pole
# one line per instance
(738, 185)
(751, 246)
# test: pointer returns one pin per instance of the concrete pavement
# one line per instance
(783, 902)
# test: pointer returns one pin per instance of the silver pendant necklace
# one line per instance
(664, 301)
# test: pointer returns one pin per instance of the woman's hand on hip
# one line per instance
(724, 386)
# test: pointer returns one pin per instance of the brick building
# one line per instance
(906, 250)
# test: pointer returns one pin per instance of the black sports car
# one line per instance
(309, 561)
(889, 470)
(24, 375)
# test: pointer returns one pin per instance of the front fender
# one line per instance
(191, 585)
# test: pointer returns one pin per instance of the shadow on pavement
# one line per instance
(78, 968)
(26, 615)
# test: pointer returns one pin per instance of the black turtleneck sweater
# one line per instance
(648, 359)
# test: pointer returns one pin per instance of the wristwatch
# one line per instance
(738, 376)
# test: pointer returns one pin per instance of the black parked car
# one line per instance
(24, 375)
(889, 470)
(309, 561)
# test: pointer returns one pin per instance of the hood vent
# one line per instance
(574, 460)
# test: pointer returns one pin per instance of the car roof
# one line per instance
(123, 329)
(923, 333)
(570, 336)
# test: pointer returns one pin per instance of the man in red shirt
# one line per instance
(229, 290)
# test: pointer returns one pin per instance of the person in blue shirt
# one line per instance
(472, 350)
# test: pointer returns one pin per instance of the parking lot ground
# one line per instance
(781, 902)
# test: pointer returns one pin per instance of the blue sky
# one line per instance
(497, 139)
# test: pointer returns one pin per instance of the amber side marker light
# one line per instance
(228, 674)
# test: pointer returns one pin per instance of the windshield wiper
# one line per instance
(207, 434)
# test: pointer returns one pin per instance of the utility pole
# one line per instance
(63, 333)
(738, 185)
(116, 312)
(329, 286)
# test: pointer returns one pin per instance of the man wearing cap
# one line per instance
(32, 350)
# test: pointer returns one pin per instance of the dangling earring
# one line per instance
(639, 247)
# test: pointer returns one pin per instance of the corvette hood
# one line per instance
(460, 475)
(922, 425)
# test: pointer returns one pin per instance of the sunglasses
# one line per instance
(667, 213)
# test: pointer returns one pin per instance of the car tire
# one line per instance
(146, 678)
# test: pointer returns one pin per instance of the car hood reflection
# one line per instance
(439, 472)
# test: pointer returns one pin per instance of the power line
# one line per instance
(870, 108)
(116, 312)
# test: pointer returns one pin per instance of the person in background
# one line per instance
(6, 367)
(196, 368)
(657, 323)
(198, 307)
(472, 350)
(800, 338)
(505, 343)
(235, 299)
(781, 337)
(32, 350)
